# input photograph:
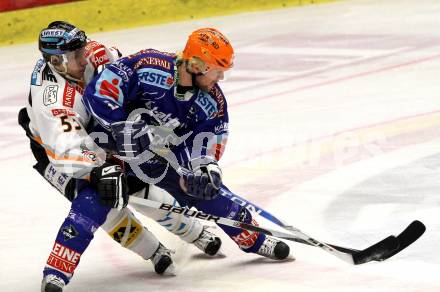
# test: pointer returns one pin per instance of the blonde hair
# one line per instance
(193, 61)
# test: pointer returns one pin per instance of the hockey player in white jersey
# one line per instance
(55, 120)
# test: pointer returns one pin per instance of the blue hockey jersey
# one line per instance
(147, 80)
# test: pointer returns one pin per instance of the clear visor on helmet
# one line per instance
(76, 56)
(72, 64)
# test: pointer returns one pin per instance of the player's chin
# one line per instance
(78, 75)
(209, 87)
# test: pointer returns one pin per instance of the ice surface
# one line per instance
(335, 128)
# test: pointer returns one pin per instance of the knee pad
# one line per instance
(124, 228)
(87, 203)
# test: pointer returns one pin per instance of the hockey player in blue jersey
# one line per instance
(55, 120)
(169, 119)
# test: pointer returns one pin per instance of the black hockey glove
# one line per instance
(132, 138)
(204, 178)
(111, 185)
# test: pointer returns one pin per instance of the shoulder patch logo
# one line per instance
(50, 95)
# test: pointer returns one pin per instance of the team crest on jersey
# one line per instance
(50, 95)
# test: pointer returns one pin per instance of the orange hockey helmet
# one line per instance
(211, 46)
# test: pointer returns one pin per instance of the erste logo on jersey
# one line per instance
(108, 86)
(156, 78)
(207, 104)
(50, 95)
(69, 95)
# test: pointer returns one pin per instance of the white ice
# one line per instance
(335, 128)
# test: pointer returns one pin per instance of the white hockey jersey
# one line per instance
(58, 121)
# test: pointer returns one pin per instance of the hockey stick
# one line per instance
(356, 257)
(377, 251)
(408, 236)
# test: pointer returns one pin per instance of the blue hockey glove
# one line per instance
(204, 178)
(111, 184)
(131, 137)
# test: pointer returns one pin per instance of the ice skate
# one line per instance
(209, 243)
(162, 261)
(52, 283)
(275, 249)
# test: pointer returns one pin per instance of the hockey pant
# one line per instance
(187, 228)
(222, 206)
(77, 231)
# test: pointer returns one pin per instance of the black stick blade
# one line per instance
(376, 251)
(407, 237)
